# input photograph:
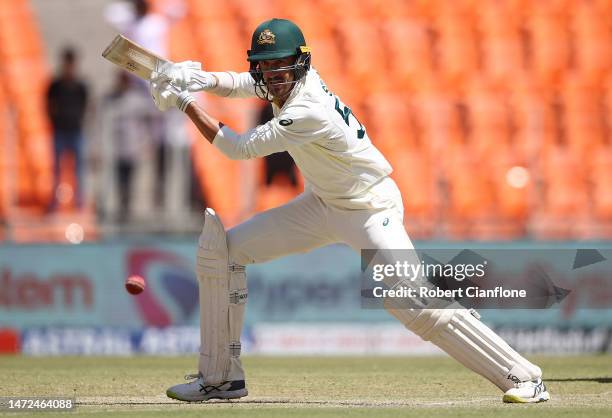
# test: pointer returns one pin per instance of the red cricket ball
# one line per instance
(135, 284)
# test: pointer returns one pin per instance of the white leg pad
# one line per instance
(461, 334)
(223, 294)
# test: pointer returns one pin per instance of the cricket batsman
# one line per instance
(348, 197)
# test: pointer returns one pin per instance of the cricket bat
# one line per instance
(132, 57)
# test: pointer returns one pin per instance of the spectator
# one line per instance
(137, 21)
(128, 120)
(67, 97)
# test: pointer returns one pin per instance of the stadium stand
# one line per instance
(27, 155)
(496, 115)
(21, 54)
(4, 161)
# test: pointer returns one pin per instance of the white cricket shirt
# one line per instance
(327, 142)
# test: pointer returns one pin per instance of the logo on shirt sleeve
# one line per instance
(285, 122)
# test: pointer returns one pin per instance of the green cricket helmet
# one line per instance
(277, 39)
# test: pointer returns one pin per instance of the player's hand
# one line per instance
(166, 95)
(188, 75)
(178, 73)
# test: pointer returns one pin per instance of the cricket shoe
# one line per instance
(527, 392)
(197, 390)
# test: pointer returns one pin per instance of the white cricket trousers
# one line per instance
(308, 222)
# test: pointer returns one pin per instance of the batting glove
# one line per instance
(188, 75)
(166, 96)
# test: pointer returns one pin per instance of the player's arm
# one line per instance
(188, 75)
(274, 136)
(207, 125)
(297, 125)
(234, 85)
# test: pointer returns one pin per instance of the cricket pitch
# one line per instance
(308, 387)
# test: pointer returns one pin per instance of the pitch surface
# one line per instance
(308, 387)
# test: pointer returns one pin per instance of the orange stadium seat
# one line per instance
(458, 48)
(438, 115)
(28, 43)
(311, 18)
(325, 58)
(471, 197)
(254, 12)
(601, 179)
(211, 10)
(35, 157)
(398, 9)
(513, 180)
(550, 42)
(584, 114)
(392, 123)
(489, 117)
(20, 19)
(565, 202)
(4, 156)
(180, 39)
(409, 50)
(607, 103)
(502, 53)
(534, 117)
(222, 45)
(9, 9)
(592, 39)
(415, 174)
(339, 10)
(23, 60)
(32, 67)
(435, 8)
(365, 60)
(512, 202)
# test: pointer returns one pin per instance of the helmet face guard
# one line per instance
(300, 69)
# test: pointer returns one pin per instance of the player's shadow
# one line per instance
(582, 379)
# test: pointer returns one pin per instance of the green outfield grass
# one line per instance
(308, 387)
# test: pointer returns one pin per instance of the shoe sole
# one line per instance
(543, 397)
(234, 394)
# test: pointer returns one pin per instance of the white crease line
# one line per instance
(99, 401)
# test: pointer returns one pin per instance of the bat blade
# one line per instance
(132, 57)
